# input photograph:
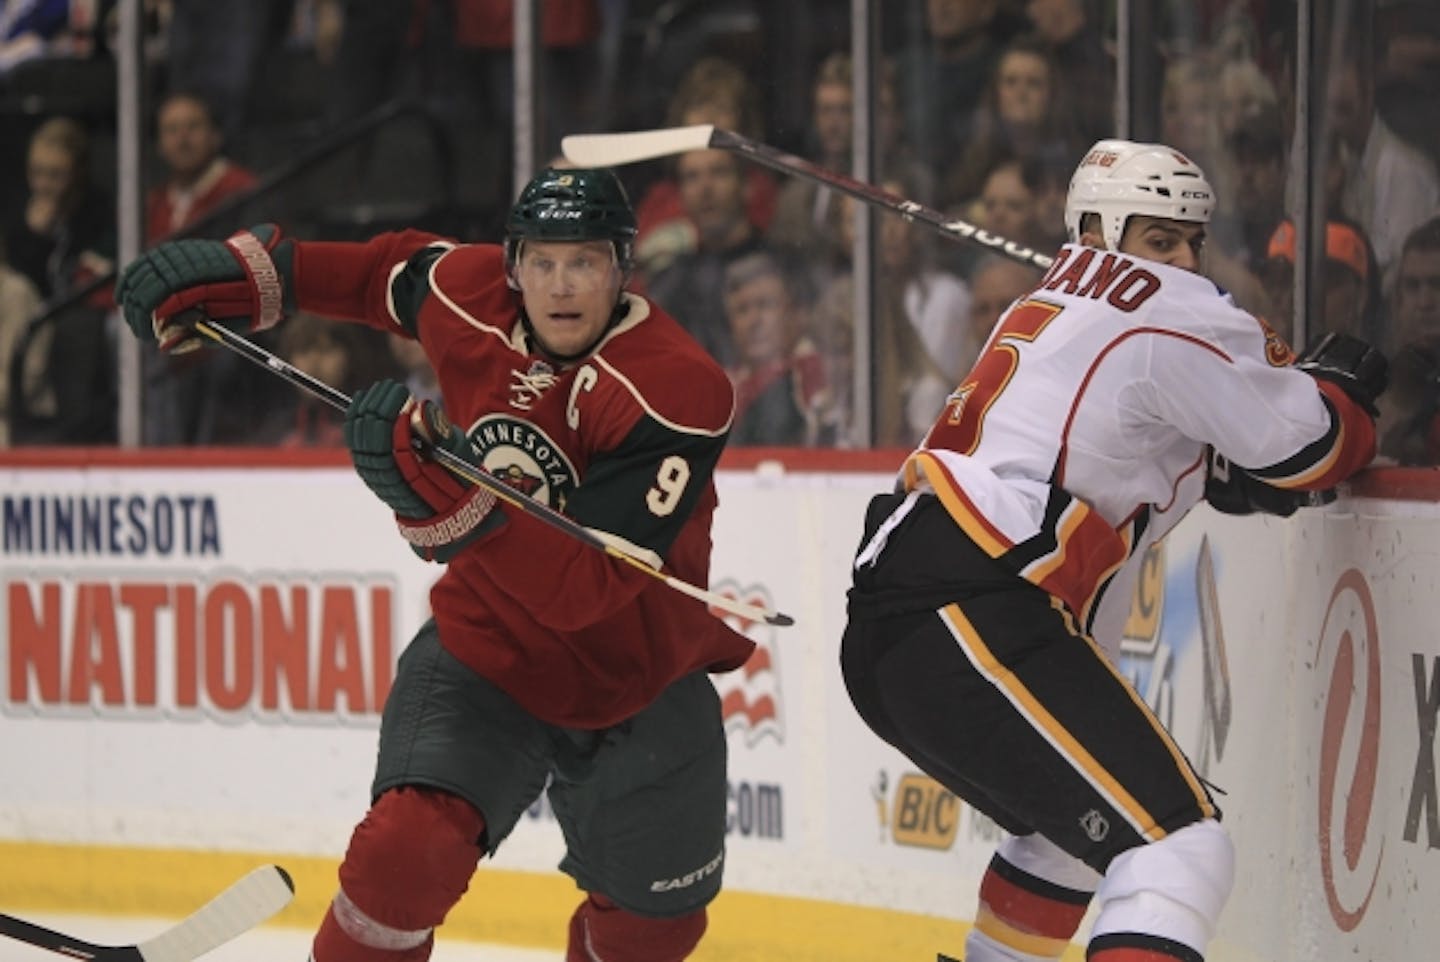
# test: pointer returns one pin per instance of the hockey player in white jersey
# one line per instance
(991, 587)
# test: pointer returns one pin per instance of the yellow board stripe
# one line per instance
(506, 907)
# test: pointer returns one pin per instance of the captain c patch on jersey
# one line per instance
(522, 456)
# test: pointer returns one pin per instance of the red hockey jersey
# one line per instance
(623, 441)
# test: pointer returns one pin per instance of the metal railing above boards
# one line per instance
(30, 427)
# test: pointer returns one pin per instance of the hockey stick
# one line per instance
(232, 913)
(1216, 674)
(611, 150)
(464, 469)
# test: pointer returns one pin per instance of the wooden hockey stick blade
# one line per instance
(464, 469)
(232, 913)
(604, 150)
(612, 150)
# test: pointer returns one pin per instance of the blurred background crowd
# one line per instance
(336, 119)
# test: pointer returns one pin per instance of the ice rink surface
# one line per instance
(265, 944)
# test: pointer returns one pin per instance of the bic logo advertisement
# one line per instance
(921, 812)
(913, 810)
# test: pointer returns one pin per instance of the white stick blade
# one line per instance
(610, 150)
(233, 912)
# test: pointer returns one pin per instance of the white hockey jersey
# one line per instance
(1080, 433)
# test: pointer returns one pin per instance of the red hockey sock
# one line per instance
(334, 943)
(1026, 913)
(409, 862)
(601, 931)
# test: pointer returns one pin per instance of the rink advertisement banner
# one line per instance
(189, 638)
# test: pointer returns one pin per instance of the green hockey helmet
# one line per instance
(573, 205)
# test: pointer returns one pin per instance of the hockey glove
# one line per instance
(246, 277)
(438, 513)
(1230, 489)
(1357, 368)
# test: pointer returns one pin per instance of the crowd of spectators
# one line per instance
(981, 109)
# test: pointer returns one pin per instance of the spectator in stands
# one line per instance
(947, 76)
(712, 189)
(1009, 203)
(458, 56)
(217, 50)
(807, 213)
(55, 28)
(1070, 31)
(778, 375)
(1024, 115)
(1009, 206)
(1410, 411)
(62, 240)
(1239, 239)
(919, 347)
(995, 283)
(19, 303)
(1190, 116)
(1245, 93)
(198, 177)
(189, 399)
(1351, 297)
(1257, 203)
(65, 235)
(713, 91)
(1417, 288)
(1407, 70)
(365, 43)
(1391, 186)
(345, 356)
(484, 36)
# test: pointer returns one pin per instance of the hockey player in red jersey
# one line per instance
(545, 661)
(991, 587)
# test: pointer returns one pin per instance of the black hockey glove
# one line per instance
(1359, 369)
(1230, 489)
(438, 513)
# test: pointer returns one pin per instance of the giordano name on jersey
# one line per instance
(525, 458)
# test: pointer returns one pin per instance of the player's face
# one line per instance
(570, 290)
(1174, 242)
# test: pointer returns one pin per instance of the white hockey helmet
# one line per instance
(1120, 178)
